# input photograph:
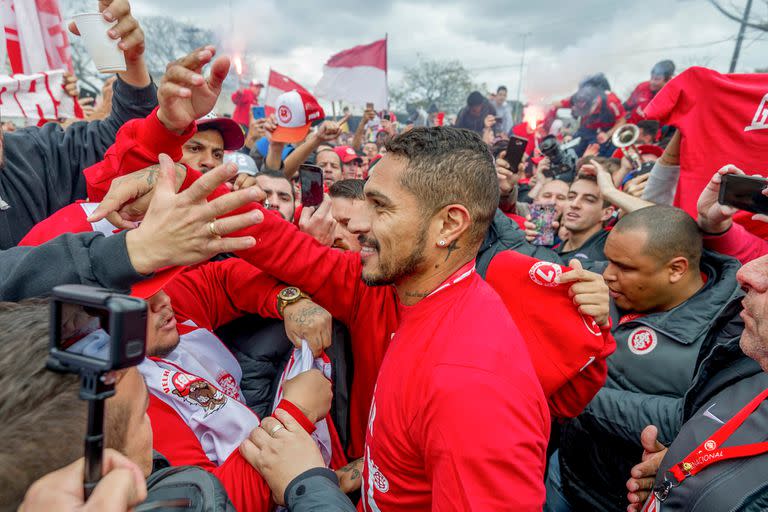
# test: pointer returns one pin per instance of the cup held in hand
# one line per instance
(107, 56)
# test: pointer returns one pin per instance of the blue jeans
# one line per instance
(556, 501)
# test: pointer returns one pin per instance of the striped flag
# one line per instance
(357, 76)
(278, 84)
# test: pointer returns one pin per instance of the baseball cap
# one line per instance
(296, 111)
(257, 82)
(245, 164)
(229, 129)
(346, 154)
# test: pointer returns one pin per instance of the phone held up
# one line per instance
(543, 216)
(311, 181)
(515, 152)
(258, 112)
(744, 193)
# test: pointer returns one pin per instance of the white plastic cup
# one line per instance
(107, 56)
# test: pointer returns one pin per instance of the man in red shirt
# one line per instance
(244, 99)
(641, 97)
(455, 343)
(600, 113)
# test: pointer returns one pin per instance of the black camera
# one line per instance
(562, 159)
(94, 331)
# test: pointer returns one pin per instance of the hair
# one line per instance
(501, 88)
(592, 179)
(475, 98)
(449, 165)
(43, 418)
(671, 233)
(271, 173)
(648, 126)
(664, 68)
(348, 189)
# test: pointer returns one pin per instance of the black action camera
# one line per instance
(94, 331)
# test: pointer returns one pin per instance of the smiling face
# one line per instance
(753, 278)
(393, 235)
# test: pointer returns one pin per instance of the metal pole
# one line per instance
(520, 77)
(740, 37)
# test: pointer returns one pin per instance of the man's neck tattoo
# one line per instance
(453, 246)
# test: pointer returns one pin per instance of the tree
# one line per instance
(737, 14)
(443, 83)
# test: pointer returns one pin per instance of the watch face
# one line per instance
(289, 293)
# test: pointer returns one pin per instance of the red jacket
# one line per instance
(243, 99)
(639, 99)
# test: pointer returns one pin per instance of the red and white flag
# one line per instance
(278, 84)
(38, 51)
(357, 76)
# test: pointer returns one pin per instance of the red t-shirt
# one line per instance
(458, 420)
(605, 115)
(723, 120)
(638, 101)
(243, 99)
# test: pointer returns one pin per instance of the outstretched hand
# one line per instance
(643, 475)
(185, 94)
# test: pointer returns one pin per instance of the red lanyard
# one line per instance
(710, 452)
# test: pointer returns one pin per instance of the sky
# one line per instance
(565, 40)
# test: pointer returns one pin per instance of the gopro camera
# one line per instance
(96, 330)
(92, 332)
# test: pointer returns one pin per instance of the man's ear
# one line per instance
(607, 213)
(677, 268)
(453, 221)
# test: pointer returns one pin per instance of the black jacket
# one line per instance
(43, 170)
(475, 123)
(657, 360)
(729, 380)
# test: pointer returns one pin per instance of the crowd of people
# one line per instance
(459, 323)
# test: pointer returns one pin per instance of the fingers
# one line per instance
(227, 225)
(114, 9)
(219, 72)
(196, 59)
(576, 274)
(125, 26)
(228, 202)
(73, 28)
(290, 424)
(272, 427)
(649, 438)
(123, 485)
(118, 221)
(204, 186)
(640, 484)
(166, 183)
(183, 76)
(230, 244)
(344, 120)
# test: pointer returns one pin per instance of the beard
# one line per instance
(389, 272)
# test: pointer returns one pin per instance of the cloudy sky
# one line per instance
(567, 39)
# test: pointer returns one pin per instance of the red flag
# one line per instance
(277, 84)
(36, 40)
(357, 76)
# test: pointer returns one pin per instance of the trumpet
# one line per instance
(625, 139)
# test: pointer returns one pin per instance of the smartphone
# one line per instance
(744, 193)
(258, 112)
(311, 180)
(543, 216)
(515, 151)
(369, 106)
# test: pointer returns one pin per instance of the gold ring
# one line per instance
(212, 229)
(275, 430)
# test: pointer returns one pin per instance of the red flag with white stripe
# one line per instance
(357, 76)
(278, 84)
(35, 36)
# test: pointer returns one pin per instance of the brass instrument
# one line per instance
(625, 138)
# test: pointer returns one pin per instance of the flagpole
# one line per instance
(333, 107)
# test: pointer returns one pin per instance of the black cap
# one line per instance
(665, 68)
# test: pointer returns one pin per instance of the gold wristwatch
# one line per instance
(287, 296)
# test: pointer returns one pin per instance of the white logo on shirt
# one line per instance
(760, 121)
(642, 341)
(544, 273)
(710, 415)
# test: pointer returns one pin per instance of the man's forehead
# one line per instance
(281, 184)
(585, 187)
(209, 138)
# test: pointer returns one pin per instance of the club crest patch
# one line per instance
(544, 273)
(642, 341)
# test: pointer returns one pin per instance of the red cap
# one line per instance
(347, 154)
(230, 131)
(296, 112)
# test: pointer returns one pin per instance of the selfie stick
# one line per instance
(95, 387)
